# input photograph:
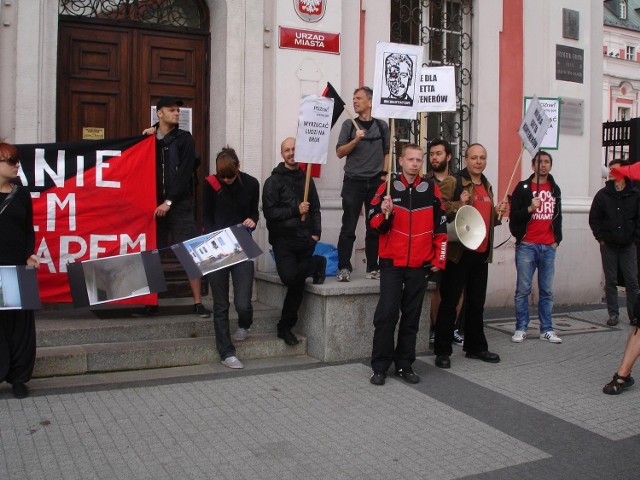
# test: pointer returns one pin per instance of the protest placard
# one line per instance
(396, 73)
(436, 90)
(314, 127)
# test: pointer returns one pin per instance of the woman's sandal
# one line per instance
(615, 386)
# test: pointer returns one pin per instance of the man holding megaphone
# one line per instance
(467, 270)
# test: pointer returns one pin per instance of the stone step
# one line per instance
(133, 355)
(82, 326)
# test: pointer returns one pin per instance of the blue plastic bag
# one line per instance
(330, 252)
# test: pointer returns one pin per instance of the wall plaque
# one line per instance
(92, 133)
(572, 116)
(569, 64)
(570, 24)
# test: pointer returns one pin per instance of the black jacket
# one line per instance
(175, 163)
(521, 200)
(227, 205)
(614, 217)
(282, 193)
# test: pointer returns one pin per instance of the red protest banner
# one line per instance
(91, 199)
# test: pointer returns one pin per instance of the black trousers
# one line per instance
(17, 345)
(402, 291)
(470, 276)
(294, 262)
(357, 193)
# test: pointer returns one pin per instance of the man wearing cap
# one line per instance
(175, 163)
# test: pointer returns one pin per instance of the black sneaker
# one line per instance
(320, 272)
(457, 338)
(408, 375)
(146, 311)
(20, 390)
(289, 338)
(199, 310)
(378, 378)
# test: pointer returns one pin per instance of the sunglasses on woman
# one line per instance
(11, 161)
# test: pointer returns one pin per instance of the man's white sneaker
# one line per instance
(519, 336)
(550, 337)
(232, 362)
(373, 275)
(241, 334)
(344, 275)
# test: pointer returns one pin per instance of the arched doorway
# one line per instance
(116, 58)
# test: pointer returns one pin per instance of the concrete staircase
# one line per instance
(79, 341)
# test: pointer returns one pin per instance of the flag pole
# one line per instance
(387, 167)
(353, 120)
(506, 193)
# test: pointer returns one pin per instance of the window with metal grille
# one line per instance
(183, 14)
(443, 27)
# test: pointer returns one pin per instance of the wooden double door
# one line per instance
(109, 77)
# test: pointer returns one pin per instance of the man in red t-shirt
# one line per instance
(536, 223)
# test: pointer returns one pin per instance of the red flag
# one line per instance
(91, 199)
(632, 172)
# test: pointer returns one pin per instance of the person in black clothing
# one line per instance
(614, 219)
(17, 245)
(230, 198)
(175, 163)
(294, 229)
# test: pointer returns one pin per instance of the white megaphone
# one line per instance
(468, 228)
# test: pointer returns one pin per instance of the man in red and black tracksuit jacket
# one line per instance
(413, 245)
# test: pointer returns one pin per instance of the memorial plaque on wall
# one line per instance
(570, 24)
(572, 116)
(569, 64)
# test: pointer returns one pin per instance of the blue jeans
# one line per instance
(529, 257)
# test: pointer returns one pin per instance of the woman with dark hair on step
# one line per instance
(17, 244)
(230, 197)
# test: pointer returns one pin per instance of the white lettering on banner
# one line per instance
(128, 244)
(41, 166)
(101, 165)
(96, 249)
(52, 202)
(73, 247)
(66, 255)
(80, 171)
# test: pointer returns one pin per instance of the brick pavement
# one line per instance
(538, 414)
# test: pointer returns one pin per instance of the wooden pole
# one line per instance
(506, 193)
(353, 120)
(387, 167)
(307, 181)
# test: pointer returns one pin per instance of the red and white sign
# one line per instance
(310, 10)
(301, 39)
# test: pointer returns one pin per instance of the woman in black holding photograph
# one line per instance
(17, 243)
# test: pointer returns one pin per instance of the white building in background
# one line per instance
(621, 59)
(73, 64)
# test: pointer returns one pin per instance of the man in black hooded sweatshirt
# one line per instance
(294, 229)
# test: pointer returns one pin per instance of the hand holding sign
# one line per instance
(532, 130)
